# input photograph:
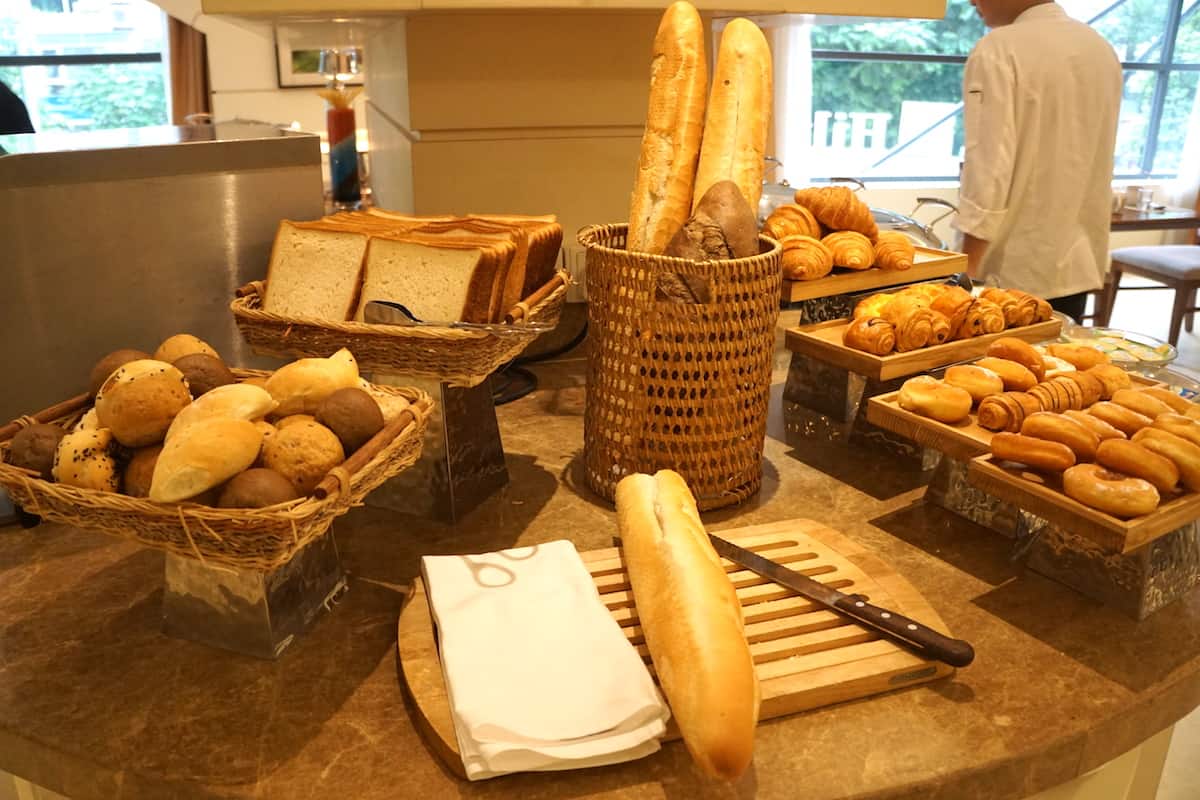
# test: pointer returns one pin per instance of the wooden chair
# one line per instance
(1174, 266)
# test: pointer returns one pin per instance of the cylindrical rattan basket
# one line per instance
(674, 385)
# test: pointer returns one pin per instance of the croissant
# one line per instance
(954, 303)
(839, 209)
(805, 258)
(871, 335)
(941, 328)
(983, 316)
(872, 306)
(1042, 309)
(894, 251)
(928, 293)
(850, 249)
(791, 220)
(914, 323)
(1017, 310)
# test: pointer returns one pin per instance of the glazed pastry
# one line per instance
(913, 322)
(982, 317)
(1082, 356)
(953, 303)
(872, 306)
(1094, 424)
(894, 251)
(805, 258)
(1111, 377)
(1141, 402)
(871, 335)
(932, 398)
(1183, 453)
(1019, 309)
(1007, 411)
(1110, 492)
(1133, 459)
(1088, 383)
(791, 220)
(1037, 453)
(1058, 396)
(838, 209)
(941, 328)
(1022, 352)
(1016, 377)
(1123, 419)
(850, 249)
(1059, 428)
(980, 382)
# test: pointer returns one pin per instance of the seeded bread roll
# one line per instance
(84, 460)
(139, 401)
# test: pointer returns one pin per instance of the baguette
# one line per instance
(739, 111)
(662, 192)
(692, 621)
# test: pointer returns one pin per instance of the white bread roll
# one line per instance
(300, 387)
(235, 400)
(203, 455)
(692, 620)
(739, 113)
(662, 193)
(139, 399)
(83, 460)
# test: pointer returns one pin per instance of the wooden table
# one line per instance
(1168, 218)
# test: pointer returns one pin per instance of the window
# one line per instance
(886, 96)
(85, 64)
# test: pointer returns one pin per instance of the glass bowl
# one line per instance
(1125, 348)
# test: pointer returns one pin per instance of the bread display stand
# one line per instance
(1136, 568)
(462, 460)
(806, 657)
(245, 580)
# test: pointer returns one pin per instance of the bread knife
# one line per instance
(925, 641)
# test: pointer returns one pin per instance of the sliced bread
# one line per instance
(314, 271)
(438, 278)
(545, 242)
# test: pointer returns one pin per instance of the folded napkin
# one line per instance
(538, 673)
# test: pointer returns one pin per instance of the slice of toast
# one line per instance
(314, 272)
(545, 242)
(438, 278)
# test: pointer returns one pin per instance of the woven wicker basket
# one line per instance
(680, 386)
(460, 357)
(254, 539)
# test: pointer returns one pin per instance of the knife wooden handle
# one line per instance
(954, 652)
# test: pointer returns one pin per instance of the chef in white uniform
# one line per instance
(1041, 95)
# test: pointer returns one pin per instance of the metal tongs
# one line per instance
(387, 312)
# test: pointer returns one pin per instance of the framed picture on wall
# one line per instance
(298, 60)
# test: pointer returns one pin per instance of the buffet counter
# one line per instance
(98, 703)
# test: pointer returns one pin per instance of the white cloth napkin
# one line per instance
(538, 673)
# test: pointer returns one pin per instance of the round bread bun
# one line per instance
(83, 459)
(978, 381)
(256, 488)
(292, 419)
(932, 398)
(34, 447)
(90, 421)
(107, 365)
(1081, 355)
(1112, 377)
(139, 400)
(303, 452)
(204, 372)
(139, 472)
(1016, 377)
(182, 344)
(353, 416)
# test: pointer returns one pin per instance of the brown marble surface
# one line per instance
(96, 703)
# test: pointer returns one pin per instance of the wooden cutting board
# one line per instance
(807, 657)
(928, 264)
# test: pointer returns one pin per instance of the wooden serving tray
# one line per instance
(1042, 494)
(823, 341)
(928, 264)
(807, 657)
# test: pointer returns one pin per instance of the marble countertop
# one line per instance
(97, 703)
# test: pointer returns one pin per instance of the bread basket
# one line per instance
(672, 385)
(254, 539)
(457, 356)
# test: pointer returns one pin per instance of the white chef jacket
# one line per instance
(1041, 98)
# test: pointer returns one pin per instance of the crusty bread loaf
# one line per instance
(203, 455)
(301, 386)
(438, 278)
(234, 400)
(314, 271)
(662, 192)
(692, 621)
(739, 112)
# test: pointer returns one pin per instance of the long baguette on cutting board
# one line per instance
(662, 192)
(692, 621)
(739, 112)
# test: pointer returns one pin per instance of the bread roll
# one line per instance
(692, 620)
(303, 452)
(235, 401)
(300, 387)
(739, 112)
(662, 192)
(139, 401)
(203, 455)
(176, 347)
(83, 460)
